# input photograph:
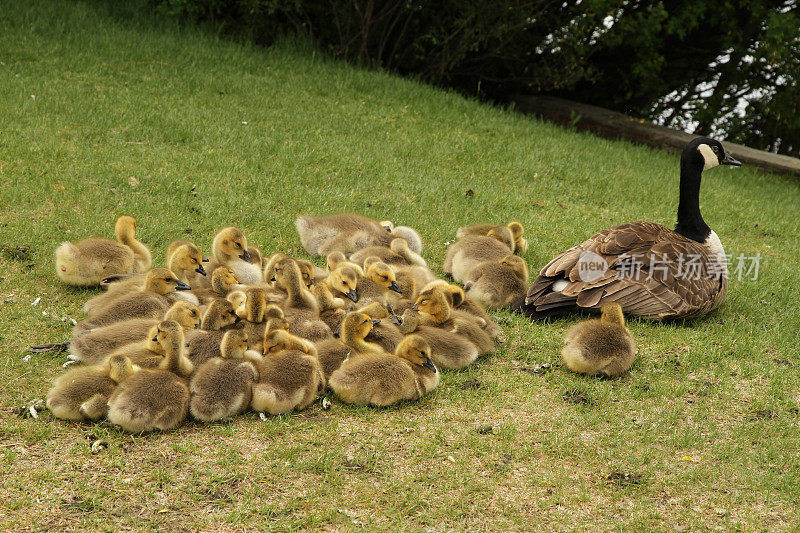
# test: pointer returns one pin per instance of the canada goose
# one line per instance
(642, 265)
(343, 280)
(223, 386)
(306, 271)
(397, 253)
(333, 260)
(385, 379)
(602, 346)
(256, 314)
(87, 262)
(155, 398)
(355, 328)
(378, 284)
(459, 300)
(81, 393)
(269, 266)
(495, 284)
(205, 344)
(435, 311)
(383, 333)
(184, 258)
(94, 346)
(300, 306)
(290, 376)
(463, 254)
(256, 256)
(331, 353)
(152, 301)
(348, 233)
(237, 298)
(147, 353)
(331, 309)
(449, 349)
(229, 249)
(517, 230)
(223, 281)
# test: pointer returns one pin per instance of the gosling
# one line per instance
(600, 347)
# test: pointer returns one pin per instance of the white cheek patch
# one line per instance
(710, 158)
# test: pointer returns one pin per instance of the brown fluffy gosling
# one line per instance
(290, 376)
(155, 398)
(495, 284)
(517, 230)
(94, 346)
(463, 254)
(222, 387)
(385, 379)
(600, 347)
(152, 301)
(86, 263)
(81, 393)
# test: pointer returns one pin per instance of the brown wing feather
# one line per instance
(662, 289)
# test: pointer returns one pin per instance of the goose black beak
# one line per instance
(728, 160)
(429, 365)
(200, 270)
(415, 307)
(181, 286)
(395, 287)
(376, 321)
(352, 295)
(246, 256)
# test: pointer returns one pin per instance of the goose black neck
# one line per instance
(690, 222)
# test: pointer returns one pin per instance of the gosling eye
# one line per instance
(194, 313)
(385, 278)
(238, 245)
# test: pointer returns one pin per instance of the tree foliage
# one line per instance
(728, 68)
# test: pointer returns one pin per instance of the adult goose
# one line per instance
(650, 270)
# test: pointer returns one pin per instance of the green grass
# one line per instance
(101, 116)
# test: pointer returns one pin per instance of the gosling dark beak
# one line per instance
(205, 259)
(246, 256)
(186, 345)
(728, 160)
(196, 326)
(352, 295)
(395, 287)
(155, 339)
(181, 286)
(429, 365)
(200, 270)
(238, 319)
(376, 321)
(311, 282)
(273, 278)
(415, 307)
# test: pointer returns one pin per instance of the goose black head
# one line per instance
(705, 153)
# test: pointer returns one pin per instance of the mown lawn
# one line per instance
(102, 116)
